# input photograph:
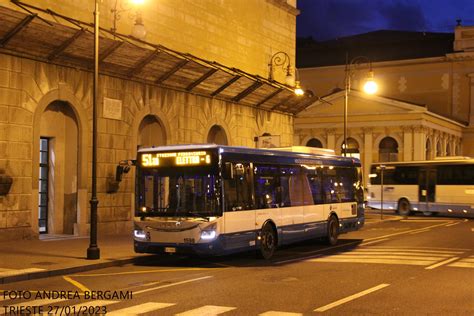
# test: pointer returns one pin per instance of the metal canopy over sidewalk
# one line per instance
(30, 33)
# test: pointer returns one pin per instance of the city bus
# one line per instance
(216, 200)
(444, 185)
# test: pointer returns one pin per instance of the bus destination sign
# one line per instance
(184, 158)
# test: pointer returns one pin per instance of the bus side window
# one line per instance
(315, 185)
(238, 190)
(266, 186)
(330, 185)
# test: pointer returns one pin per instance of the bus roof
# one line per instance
(296, 151)
(437, 161)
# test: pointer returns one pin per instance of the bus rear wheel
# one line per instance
(333, 231)
(404, 207)
(268, 242)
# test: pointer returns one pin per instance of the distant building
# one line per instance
(199, 76)
(424, 107)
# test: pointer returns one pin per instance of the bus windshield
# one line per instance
(168, 193)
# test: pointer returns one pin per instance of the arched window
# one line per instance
(388, 150)
(314, 142)
(352, 148)
(428, 150)
(217, 135)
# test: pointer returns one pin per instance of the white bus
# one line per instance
(212, 199)
(444, 185)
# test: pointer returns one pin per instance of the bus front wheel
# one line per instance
(404, 207)
(333, 231)
(268, 242)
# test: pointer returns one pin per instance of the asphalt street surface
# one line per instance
(413, 266)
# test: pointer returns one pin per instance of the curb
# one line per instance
(69, 270)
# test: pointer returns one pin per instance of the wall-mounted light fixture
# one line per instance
(121, 6)
(282, 60)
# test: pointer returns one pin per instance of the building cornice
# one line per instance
(283, 4)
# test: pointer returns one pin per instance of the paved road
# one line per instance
(410, 266)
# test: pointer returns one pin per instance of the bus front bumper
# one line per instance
(211, 248)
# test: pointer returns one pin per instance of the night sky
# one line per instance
(330, 19)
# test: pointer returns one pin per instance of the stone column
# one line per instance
(331, 138)
(471, 103)
(419, 142)
(407, 143)
(367, 158)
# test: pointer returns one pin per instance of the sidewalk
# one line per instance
(33, 259)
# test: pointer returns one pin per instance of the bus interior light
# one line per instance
(450, 210)
(464, 211)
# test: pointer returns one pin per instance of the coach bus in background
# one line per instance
(444, 185)
(212, 199)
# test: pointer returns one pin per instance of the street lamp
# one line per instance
(93, 252)
(282, 60)
(138, 30)
(370, 87)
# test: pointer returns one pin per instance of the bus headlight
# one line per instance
(208, 234)
(139, 234)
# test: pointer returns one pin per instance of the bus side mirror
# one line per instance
(123, 167)
(228, 171)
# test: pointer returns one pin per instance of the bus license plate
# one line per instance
(170, 249)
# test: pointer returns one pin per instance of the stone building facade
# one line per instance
(46, 103)
(423, 108)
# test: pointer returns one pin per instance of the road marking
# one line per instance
(452, 224)
(373, 242)
(437, 249)
(386, 255)
(172, 284)
(420, 231)
(372, 260)
(12, 272)
(425, 220)
(464, 263)
(82, 287)
(350, 298)
(364, 252)
(140, 309)
(208, 310)
(146, 271)
(405, 232)
(408, 250)
(460, 264)
(442, 263)
(93, 303)
(298, 259)
(276, 313)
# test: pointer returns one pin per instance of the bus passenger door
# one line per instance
(427, 187)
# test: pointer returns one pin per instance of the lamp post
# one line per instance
(93, 252)
(370, 87)
(281, 59)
